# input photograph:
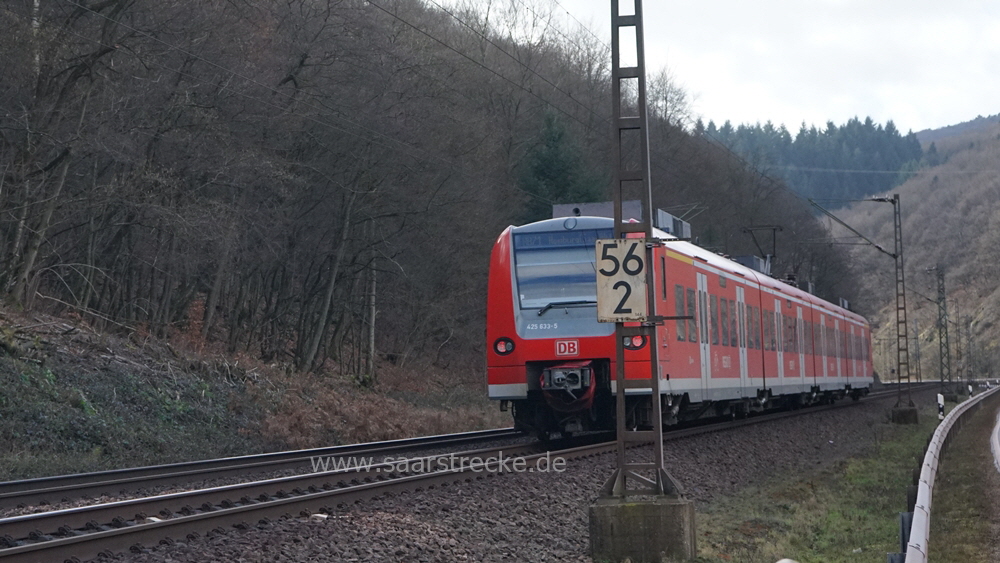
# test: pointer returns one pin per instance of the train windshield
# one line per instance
(554, 268)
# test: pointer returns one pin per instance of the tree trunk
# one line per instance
(324, 311)
(370, 361)
(213, 294)
(21, 288)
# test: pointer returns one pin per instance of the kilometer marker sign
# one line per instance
(621, 280)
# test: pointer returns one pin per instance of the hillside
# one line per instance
(283, 180)
(951, 218)
(74, 399)
(980, 123)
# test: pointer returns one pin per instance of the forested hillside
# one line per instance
(841, 162)
(951, 221)
(264, 176)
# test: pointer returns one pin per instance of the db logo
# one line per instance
(567, 347)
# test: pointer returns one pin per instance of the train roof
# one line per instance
(692, 251)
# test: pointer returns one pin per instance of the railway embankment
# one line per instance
(824, 486)
(75, 400)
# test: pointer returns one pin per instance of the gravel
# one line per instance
(305, 468)
(536, 516)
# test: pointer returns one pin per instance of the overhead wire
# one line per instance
(712, 139)
(570, 14)
(477, 63)
(512, 57)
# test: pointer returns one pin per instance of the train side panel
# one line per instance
(749, 341)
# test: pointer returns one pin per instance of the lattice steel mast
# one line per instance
(631, 147)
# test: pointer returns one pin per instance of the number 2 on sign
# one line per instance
(621, 280)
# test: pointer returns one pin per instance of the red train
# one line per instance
(754, 342)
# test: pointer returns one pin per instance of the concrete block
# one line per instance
(904, 415)
(644, 531)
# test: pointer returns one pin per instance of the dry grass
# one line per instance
(313, 410)
(846, 513)
(964, 516)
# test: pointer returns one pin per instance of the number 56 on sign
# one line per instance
(621, 280)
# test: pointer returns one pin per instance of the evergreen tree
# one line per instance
(555, 172)
(830, 163)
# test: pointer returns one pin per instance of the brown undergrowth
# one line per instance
(76, 399)
(313, 409)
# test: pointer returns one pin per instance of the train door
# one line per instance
(741, 308)
(823, 347)
(780, 340)
(865, 369)
(853, 353)
(801, 343)
(837, 349)
(703, 327)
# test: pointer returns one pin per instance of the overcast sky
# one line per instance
(923, 64)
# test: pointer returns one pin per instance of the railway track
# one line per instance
(69, 487)
(89, 531)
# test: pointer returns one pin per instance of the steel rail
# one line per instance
(84, 545)
(70, 519)
(83, 535)
(31, 491)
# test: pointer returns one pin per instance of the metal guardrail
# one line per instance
(995, 443)
(915, 526)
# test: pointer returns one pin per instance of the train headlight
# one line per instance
(633, 342)
(503, 346)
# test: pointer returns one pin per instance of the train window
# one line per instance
(679, 310)
(776, 341)
(663, 276)
(772, 332)
(715, 319)
(808, 332)
(722, 281)
(756, 328)
(743, 325)
(768, 329)
(725, 321)
(772, 319)
(733, 334)
(702, 314)
(692, 323)
(556, 266)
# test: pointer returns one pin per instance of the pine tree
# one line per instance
(555, 172)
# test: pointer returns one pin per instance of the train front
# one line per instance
(548, 357)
